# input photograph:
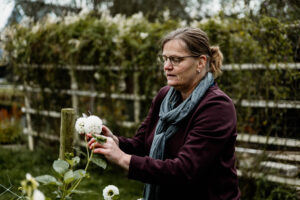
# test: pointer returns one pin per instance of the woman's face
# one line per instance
(185, 75)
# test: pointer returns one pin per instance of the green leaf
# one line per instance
(60, 166)
(47, 179)
(100, 162)
(69, 176)
(99, 138)
(70, 162)
(76, 160)
(80, 173)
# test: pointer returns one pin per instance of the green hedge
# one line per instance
(133, 44)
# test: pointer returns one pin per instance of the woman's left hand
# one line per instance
(111, 151)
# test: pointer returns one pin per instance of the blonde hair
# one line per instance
(197, 43)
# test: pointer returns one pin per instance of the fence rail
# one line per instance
(281, 104)
(226, 67)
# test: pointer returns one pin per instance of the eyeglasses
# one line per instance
(174, 60)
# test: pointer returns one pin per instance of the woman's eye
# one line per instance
(176, 59)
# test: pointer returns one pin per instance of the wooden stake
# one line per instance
(67, 129)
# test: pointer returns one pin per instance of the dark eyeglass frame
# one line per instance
(174, 60)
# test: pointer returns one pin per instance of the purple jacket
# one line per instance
(200, 159)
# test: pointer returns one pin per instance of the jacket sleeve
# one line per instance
(211, 127)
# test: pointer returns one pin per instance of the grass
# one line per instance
(15, 163)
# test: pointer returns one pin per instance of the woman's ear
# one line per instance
(201, 63)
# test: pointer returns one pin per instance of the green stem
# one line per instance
(86, 146)
(64, 189)
(86, 167)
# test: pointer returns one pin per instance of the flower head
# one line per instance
(38, 195)
(143, 35)
(93, 124)
(80, 124)
(29, 185)
(31, 181)
(110, 192)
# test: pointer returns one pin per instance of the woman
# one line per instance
(185, 147)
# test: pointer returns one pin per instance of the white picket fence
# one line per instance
(286, 173)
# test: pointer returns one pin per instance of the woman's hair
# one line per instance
(197, 44)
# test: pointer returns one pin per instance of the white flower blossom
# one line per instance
(110, 192)
(84, 12)
(71, 18)
(26, 21)
(96, 75)
(34, 183)
(36, 27)
(79, 125)
(38, 195)
(143, 35)
(75, 42)
(93, 124)
(166, 15)
(183, 23)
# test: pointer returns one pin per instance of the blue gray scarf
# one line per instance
(167, 126)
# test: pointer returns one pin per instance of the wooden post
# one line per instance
(67, 129)
(74, 88)
(137, 103)
(28, 117)
(28, 120)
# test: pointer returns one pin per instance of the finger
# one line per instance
(91, 141)
(95, 145)
(101, 151)
(88, 136)
(106, 131)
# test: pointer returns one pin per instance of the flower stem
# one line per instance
(86, 167)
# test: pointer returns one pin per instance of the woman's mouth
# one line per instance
(171, 75)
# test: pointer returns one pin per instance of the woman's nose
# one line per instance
(168, 65)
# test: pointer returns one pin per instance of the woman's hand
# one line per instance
(108, 133)
(105, 132)
(111, 151)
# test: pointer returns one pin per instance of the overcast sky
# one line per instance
(5, 10)
(6, 7)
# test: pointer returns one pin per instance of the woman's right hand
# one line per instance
(106, 132)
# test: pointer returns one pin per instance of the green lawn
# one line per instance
(14, 164)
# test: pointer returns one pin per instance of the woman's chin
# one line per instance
(172, 84)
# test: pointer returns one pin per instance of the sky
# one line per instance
(6, 7)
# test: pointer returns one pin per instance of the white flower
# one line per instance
(166, 15)
(110, 192)
(38, 195)
(143, 35)
(97, 76)
(80, 124)
(183, 23)
(93, 124)
(75, 42)
(84, 12)
(33, 182)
